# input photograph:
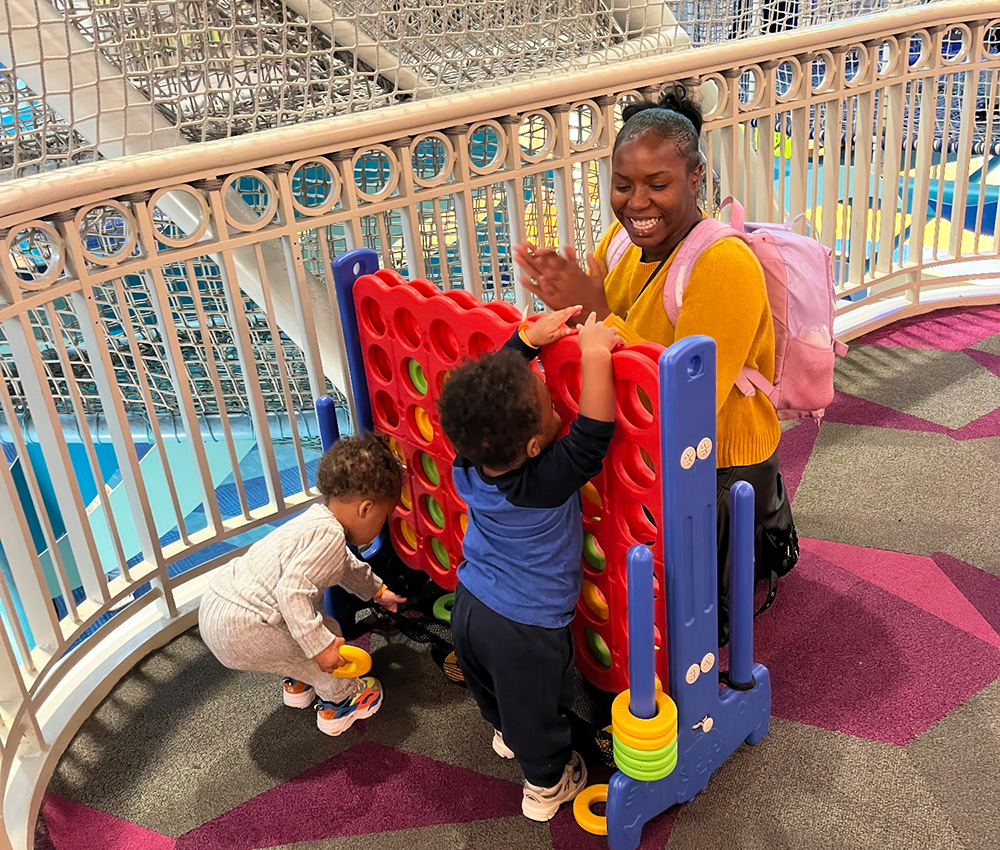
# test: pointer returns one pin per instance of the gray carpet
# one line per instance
(883, 646)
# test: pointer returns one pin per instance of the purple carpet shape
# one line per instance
(981, 588)
(948, 330)
(367, 789)
(849, 656)
(794, 452)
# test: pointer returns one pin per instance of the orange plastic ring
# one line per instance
(645, 744)
(585, 817)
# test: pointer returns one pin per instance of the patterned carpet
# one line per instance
(883, 647)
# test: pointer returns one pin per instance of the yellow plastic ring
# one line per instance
(645, 744)
(656, 729)
(408, 536)
(424, 425)
(585, 817)
(592, 596)
(358, 663)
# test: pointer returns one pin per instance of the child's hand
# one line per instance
(550, 327)
(330, 658)
(390, 600)
(597, 336)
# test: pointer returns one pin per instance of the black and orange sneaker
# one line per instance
(334, 718)
(297, 694)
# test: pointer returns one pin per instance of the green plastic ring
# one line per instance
(650, 758)
(593, 555)
(435, 512)
(430, 469)
(643, 770)
(437, 547)
(442, 607)
(598, 647)
(417, 376)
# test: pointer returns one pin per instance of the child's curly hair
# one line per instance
(490, 409)
(360, 467)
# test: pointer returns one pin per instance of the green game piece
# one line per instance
(417, 376)
(442, 607)
(430, 469)
(592, 554)
(437, 547)
(598, 647)
(435, 512)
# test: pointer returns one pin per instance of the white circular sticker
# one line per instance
(688, 457)
(707, 662)
(704, 448)
(694, 671)
(707, 724)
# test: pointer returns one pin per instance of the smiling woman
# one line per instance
(657, 172)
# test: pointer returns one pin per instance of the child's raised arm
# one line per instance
(597, 393)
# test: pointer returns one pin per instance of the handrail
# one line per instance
(41, 195)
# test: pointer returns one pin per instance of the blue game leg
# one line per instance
(711, 723)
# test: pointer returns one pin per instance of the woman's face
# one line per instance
(653, 195)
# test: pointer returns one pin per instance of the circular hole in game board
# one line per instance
(634, 404)
(639, 522)
(420, 425)
(407, 328)
(462, 520)
(380, 362)
(433, 512)
(595, 600)
(598, 648)
(443, 340)
(371, 315)
(569, 381)
(405, 500)
(440, 554)
(635, 464)
(657, 638)
(406, 536)
(385, 410)
(480, 344)
(593, 554)
(656, 586)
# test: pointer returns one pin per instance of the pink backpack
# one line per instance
(799, 275)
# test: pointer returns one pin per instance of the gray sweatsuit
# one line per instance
(259, 612)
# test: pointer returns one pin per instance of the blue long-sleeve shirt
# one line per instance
(524, 540)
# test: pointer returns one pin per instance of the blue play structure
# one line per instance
(711, 722)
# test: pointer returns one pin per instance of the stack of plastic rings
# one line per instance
(646, 750)
(358, 663)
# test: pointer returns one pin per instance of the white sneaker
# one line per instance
(297, 694)
(541, 804)
(500, 746)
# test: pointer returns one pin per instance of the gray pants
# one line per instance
(242, 641)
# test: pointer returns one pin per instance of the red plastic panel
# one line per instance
(412, 334)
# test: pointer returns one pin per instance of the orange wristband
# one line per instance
(381, 590)
(522, 333)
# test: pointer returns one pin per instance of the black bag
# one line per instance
(776, 545)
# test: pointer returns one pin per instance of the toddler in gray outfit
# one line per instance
(260, 610)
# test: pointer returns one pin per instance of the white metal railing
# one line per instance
(82, 80)
(186, 293)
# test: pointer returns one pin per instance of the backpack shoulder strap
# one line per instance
(617, 247)
(705, 234)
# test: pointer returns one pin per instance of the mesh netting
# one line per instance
(122, 77)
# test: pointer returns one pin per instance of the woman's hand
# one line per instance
(550, 327)
(558, 280)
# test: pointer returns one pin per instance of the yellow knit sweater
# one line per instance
(725, 299)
